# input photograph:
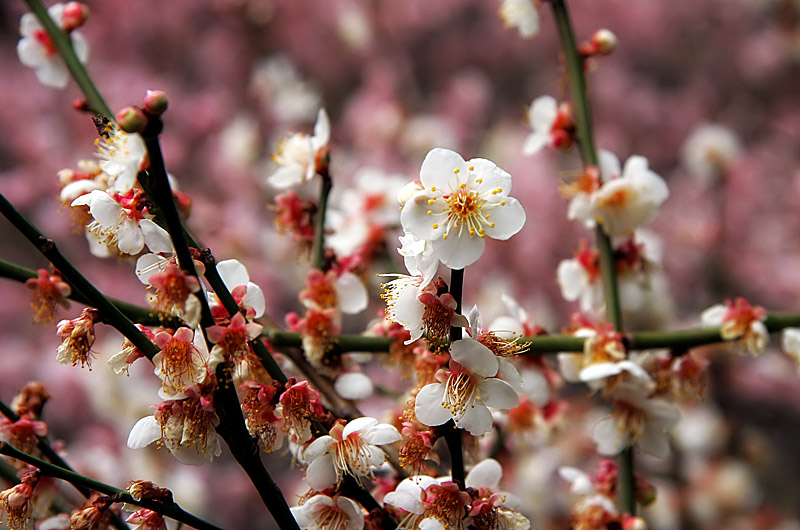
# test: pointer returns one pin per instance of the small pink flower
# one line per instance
(79, 337)
(49, 290)
(739, 321)
(299, 404)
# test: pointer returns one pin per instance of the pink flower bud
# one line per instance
(604, 42)
(155, 102)
(131, 119)
(75, 14)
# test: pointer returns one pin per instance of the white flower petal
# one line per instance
(233, 273)
(498, 394)
(477, 419)
(508, 219)
(428, 406)
(146, 431)
(474, 356)
(438, 168)
(321, 474)
(485, 474)
(382, 434)
(458, 252)
(156, 238)
(359, 425)
(610, 438)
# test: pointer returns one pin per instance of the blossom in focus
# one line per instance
(463, 393)
(459, 204)
(36, 49)
(301, 156)
(78, 338)
(520, 14)
(551, 123)
(352, 449)
(299, 404)
(739, 321)
(321, 512)
(434, 504)
(122, 155)
(16, 506)
(232, 341)
(709, 150)
(183, 362)
(246, 293)
(186, 427)
(117, 223)
(624, 201)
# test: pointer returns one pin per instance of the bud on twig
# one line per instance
(75, 14)
(131, 119)
(155, 102)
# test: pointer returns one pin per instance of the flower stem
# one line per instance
(138, 314)
(585, 140)
(49, 453)
(452, 434)
(318, 248)
(160, 192)
(172, 511)
(63, 43)
(47, 247)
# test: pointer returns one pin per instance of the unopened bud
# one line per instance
(131, 119)
(75, 14)
(155, 102)
(81, 105)
(604, 42)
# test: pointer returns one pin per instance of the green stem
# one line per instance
(48, 248)
(453, 436)
(585, 139)
(139, 314)
(318, 246)
(160, 192)
(63, 43)
(172, 511)
(49, 453)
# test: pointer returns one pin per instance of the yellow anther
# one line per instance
(444, 236)
(456, 171)
(491, 225)
(435, 226)
(488, 216)
(431, 201)
(481, 231)
(472, 168)
(494, 192)
(472, 231)
(502, 203)
(462, 185)
(433, 188)
(479, 181)
(430, 212)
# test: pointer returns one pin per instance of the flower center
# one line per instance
(464, 211)
(179, 360)
(459, 393)
(44, 39)
(351, 456)
(332, 517)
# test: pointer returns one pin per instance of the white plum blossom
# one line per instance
(299, 155)
(520, 14)
(349, 450)
(321, 512)
(579, 280)
(36, 49)
(459, 204)
(709, 149)
(115, 227)
(183, 362)
(236, 278)
(122, 155)
(741, 322)
(185, 427)
(430, 508)
(638, 420)
(625, 200)
(462, 395)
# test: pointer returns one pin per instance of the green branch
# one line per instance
(111, 313)
(139, 314)
(173, 511)
(63, 44)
